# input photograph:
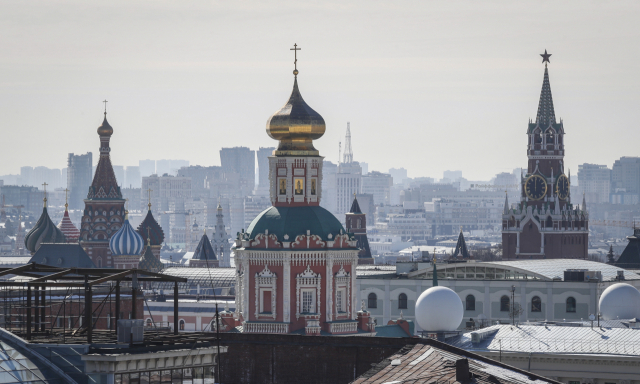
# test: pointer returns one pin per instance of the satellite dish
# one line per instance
(592, 317)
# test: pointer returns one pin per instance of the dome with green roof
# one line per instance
(295, 221)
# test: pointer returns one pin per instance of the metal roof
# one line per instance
(554, 339)
(373, 270)
(550, 268)
(18, 368)
(205, 277)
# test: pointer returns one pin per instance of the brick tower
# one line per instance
(544, 224)
(104, 206)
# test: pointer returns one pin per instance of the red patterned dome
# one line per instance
(68, 229)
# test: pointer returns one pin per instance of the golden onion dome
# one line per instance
(296, 125)
(105, 129)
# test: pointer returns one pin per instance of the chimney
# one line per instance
(462, 371)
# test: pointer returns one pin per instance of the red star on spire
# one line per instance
(545, 56)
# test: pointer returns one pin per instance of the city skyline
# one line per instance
(430, 78)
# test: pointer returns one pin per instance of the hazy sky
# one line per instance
(426, 85)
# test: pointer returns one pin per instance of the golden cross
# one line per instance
(295, 50)
(45, 192)
(105, 106)
(149, 190)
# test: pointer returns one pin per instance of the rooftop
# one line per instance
(554, 339)
(548, 269)
(425, 363)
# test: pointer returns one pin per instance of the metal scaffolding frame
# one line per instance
(27, 300)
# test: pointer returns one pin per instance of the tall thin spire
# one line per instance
(584, 202)
(348, 153)
(435, 271)
(506, 203)
(546, 114)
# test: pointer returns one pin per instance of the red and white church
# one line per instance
(296, 264)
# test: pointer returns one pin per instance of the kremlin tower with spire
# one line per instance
(296, 264)
(104, 211)
(544, 224)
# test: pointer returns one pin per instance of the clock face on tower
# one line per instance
(562, 187)
(535, 187)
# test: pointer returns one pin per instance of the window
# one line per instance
(571, 305)
(181, 325)
(471, 303)
(402, 301)
(339, 300)
(504, 304)
(372, 301)
(266, 301)
(536, 304)
(307, 301)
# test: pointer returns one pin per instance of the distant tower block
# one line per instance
(348, 152)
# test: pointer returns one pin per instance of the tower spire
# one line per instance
(546, 114)
(506, 203)
(348, 153)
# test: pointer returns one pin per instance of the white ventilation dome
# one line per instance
(619, 301)
(439, 309)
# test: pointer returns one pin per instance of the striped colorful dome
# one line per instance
(68, 229)
(126, 241)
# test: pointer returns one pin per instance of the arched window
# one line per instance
(181, 325)
(99, 262)
(402, 301)
(549, 223)
(470, 302)
(536, 304)
(504, 303)
(571, 305)
(372, 300)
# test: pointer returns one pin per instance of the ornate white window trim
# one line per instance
(305, 280)
(265, 281)
(342, 282)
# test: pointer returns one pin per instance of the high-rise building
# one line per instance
(118, 170)
(79, 174)
(104, 211)
(329, 186)
(595, 182)
(348, 178)
(132, 177)
(242, 161)
(201, 178)
(544, 224)
(625, 177)
(147, 167)
(379, 185)
(26, 176)
(263, 169)
(398, 174)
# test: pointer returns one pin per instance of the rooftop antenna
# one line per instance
(339, 151)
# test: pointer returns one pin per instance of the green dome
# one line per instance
(295, 221)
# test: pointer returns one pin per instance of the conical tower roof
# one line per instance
(204, 250)
(104, 185)
(149, 228)
(546, 114)
(45, 231)
(68, 229)
(355, 207)
(149, 262)
(461, 247)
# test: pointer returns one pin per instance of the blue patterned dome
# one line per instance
(126, 241)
